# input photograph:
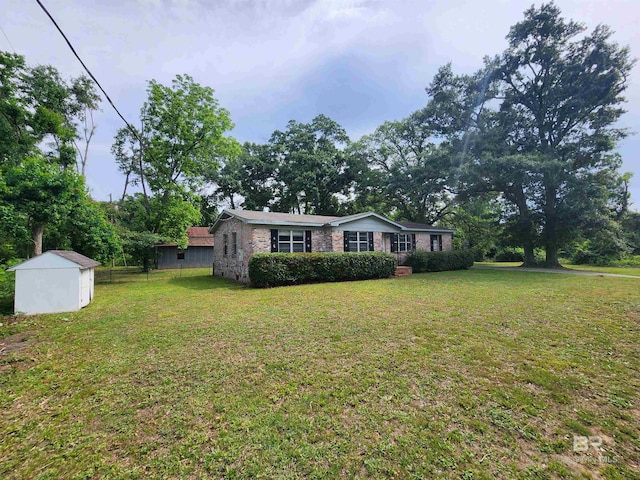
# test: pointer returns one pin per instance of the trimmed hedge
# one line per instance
(276, 269)
(422, 261)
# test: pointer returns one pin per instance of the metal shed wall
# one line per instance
(194, 257)
(47, 290)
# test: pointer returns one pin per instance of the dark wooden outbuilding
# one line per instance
(199, 252)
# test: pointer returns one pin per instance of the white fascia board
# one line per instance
(360, 216)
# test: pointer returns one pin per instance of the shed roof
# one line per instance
(40, 261)
(198, 237)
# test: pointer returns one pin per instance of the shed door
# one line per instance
(85, 287)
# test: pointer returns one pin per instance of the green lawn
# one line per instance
(475, 374)
(633, 271)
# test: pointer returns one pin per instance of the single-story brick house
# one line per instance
(238, 234)
(199, 252)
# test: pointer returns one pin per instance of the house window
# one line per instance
(436, 243)
(225, 244)
(234, 243)
(180, 255)
(358, 241)
(405, 242)
(290, 241)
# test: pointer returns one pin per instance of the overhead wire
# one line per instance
(133, 130)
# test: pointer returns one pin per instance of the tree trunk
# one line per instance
(36, 238)
(550, 228)
(526, 227)
(529, 255)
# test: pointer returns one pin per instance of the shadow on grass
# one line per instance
(206, 282)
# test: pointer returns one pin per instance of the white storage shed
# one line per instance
(56, 281)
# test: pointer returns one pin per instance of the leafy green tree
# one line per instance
(38, 114)
(305, 168)
(630, 224)
(414, 172)
(181, 139)
(87, 230)
(546, 108)
(41, 193)
(313, 169)
(570, 119)
(256, 172)
(478, 222)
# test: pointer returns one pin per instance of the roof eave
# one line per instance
(360, 216)
(438, 230)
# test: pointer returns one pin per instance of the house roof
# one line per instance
(75, 257)
(250, 216)
(295, 220)
(198, 237)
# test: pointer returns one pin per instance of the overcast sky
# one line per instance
(360, 62)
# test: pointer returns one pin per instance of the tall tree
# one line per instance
(312, 166)
(87, 101)
(539, 120)
(567, 90)
(414, 171)
(38, 113)
(181, 136)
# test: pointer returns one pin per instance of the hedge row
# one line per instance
(422, 261)
(275, 269)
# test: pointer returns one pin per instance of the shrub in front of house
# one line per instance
(276, 269)
(422, 261)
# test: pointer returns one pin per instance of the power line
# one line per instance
(9, 41)
(133, 130)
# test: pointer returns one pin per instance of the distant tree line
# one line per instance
(519, 157)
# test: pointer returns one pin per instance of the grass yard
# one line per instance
(475, 374)
(633, 271)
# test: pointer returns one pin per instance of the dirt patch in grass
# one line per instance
(16, 343)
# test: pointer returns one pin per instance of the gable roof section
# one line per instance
(57, 259)
(360, 216)
(273, 218)
(197, 237)
(295, 220)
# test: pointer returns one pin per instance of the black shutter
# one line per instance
(307, 240)
(274, 240)
(413, 241)
(370, 235)
(394, 242)
(346, 241)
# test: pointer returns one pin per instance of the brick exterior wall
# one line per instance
(321, 240)
(258, 239)
(235, 267)
(423, 242)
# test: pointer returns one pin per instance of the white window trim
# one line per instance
(291, 242)
(405, 242)
(362, 238)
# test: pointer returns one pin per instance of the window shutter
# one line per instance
(394, 242)
(370, 235)
(413, 241)
(346, 241)
(274, 240)
(307, 240)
